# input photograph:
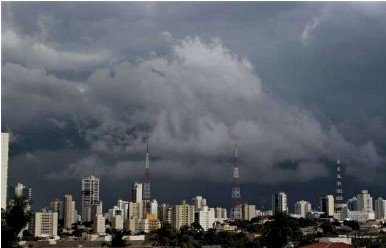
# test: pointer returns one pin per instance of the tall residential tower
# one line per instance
(90, 196)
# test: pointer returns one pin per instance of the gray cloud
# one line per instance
(193, 105)
(85, 83)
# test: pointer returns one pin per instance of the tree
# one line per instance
(117, 239)
(13, 220)
(351, 223)
(277, 233)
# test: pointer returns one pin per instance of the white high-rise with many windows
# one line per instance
(4, 168)
(136, 192)
(380, 208)
(327, 205)
(90, 196)
(68, 211)
(302, 208)
(365, 202)
(45, 224)
(199, 202)
(279, 202)
(205, 217)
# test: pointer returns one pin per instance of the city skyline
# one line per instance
(85, 86)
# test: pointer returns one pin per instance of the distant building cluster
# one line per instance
(143, 214)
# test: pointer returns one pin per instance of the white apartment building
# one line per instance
(165, 213)
(57, 206)
(68, 211)
(380, 208)
(365, 202)
(205, 217)
(117, 222)
(45, 224)
(4, 168)
(198, 202)
(135, 210)
(183, 214)
(136, 192)
(302, 208)
(327, 204)
(96, 208)
(99, 224)
(360, 216)
(90, 196)
(248, 211)
(352, 204)
(154, 207)
(220, 214)
(148, 224)
(124, 205)
(279, 202)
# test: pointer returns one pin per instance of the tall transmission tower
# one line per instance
(339, 190)
(236, 196)
(146, 183)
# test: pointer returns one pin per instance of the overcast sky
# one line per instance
(297, 84)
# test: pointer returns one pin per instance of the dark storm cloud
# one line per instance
(295, 83)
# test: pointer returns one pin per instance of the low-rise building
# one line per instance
(45, 224)
(150, 223)
(99, 225)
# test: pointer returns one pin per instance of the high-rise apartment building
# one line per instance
(302, 208)
(352, 204)
(57, 206)
(154, 208)
(220, 214)
(183, 215)
(45, 224)
(147, 224)
(117, 222)
(279, 202)
(380, 208)
(135, 210)
(365, 202)
(22, 191)
(165, 212)
(136, 192)
(96, 208)
(199, 202)
(68, 211)
(248, 211)
(124, 205)
(90, 196)
(99, 225)
(205, 217)
(327, 204)
(4, 168)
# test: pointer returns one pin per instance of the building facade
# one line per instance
(248, 211)
(45, 224)
(302, 208)
(136, 192)
(327, 204)
(365, 201)
(90, 196)
(279, 203)
(205, 217)
(380, 208)
(68, 211)
(99, 224)
(183, 215)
